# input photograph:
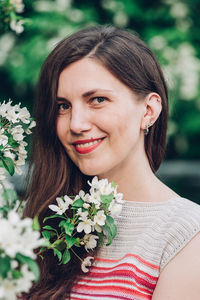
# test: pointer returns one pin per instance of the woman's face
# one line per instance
(99, 120)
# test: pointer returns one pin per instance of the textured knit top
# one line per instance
(149, 235)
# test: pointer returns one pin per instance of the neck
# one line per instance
(137, 181)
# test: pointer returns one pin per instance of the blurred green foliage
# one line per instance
(169, 27)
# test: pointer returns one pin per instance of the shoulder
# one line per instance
(183, 223)
(180, 278)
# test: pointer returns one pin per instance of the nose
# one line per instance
(80, 120)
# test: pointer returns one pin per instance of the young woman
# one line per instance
(102, 110)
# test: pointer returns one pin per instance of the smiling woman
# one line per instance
(92, 127)
(101, 110)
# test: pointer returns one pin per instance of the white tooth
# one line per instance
(88, 144)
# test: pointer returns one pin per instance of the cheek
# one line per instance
(61, 129)
(126, 124)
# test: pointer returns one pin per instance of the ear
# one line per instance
(152, 110)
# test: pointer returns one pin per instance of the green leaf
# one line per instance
(110, 229)
(46, 234)
(8, 165)
(42, 248)
(77, 242)
(12, 142)
(66, 257)
(68, 227)
(78, 203)
(32, 265)
(113, 184)
(100, 240)
(108, 234)
(4, 266)
(16, 274)
(107, 199)
(110, 223)
(10, 196)
(70, 241)
(59, 245)
(54, 216)
(36, 224)
(50, 228)
(58, 253)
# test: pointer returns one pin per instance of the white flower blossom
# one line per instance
(4, 107)
(100, 218)
(17, 133)
(97, 206)
(26, 281)
(95, 196)
(87, 262)
(86, 205)
(17, 26)
(79, 212)
(11, 115)
(83, 196)
(98, 228)
(90, 241)
(101, 186)
(17, 236)
(86, 225)
(2, 177)
(14, 264)
(8, 153)
(63, 205)
(18, 4)
(94, 183)
(106, 188)
(33, 124)
(10, 288)
(115, 208)
(3, 139)
(24, 115)
(118, 198)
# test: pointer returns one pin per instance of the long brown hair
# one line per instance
(132, 62)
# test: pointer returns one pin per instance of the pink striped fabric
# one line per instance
(118, 279)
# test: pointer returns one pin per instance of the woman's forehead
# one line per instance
(86, 76)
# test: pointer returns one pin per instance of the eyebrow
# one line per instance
(88, 93)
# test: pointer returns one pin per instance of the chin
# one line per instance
(91, 170)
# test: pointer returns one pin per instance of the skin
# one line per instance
(95, 104)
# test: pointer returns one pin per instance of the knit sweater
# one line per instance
(149, 235)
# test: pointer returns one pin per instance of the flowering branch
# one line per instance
(10, 11)
(18, 238)
(89, 214)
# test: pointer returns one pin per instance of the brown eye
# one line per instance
(63, 107)
(98, 100)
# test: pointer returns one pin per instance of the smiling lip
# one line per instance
(86, 146)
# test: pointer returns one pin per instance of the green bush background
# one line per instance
(170, 27)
